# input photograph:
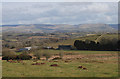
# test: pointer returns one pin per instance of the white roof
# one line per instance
(28, 48)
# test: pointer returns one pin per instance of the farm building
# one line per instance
(47, 47)
(28, 48)
(24, 49)
(64, 47)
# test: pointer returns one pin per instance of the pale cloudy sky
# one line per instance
(59, 12)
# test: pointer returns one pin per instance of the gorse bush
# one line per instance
(11, 57)
(17, 57)
(24, 57)
(7, 54)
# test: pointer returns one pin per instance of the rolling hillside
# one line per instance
(93, 38)
(71, 41)
(39, 28)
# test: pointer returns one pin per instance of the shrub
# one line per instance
(7, 54)
(13, 57)
(24, 57)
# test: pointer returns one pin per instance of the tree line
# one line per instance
(103, 44)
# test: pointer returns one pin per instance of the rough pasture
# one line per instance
(96, 64)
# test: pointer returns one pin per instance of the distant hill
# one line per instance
(115, 26)
(38, 28)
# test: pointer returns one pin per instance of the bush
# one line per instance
(7, 54)
(12, 57)
(24, 57)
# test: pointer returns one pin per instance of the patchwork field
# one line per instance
(81, 64)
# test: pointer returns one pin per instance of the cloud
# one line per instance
(59, 12)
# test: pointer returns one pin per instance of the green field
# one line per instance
(108, 36)
(98, 64)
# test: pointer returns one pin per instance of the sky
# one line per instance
(59, 12)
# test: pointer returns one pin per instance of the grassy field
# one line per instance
(108, 36)
(98, 64)
(76, 52)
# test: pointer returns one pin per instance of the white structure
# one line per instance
(28, 48)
